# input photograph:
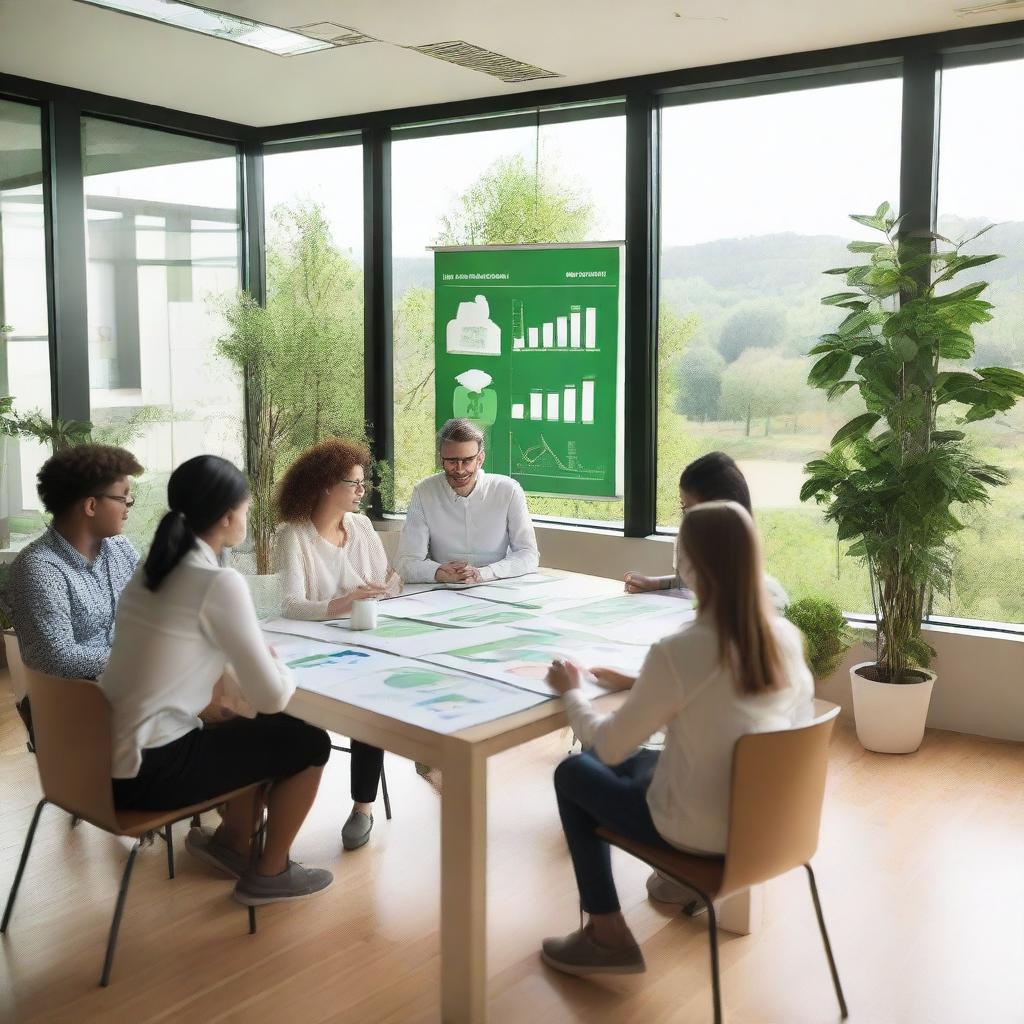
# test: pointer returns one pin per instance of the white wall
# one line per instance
(980, 687)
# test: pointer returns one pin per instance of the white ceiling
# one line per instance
(73, 44)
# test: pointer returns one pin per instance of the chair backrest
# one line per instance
(71, 719)
(778, 786)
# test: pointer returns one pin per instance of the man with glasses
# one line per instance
(64, 586)
(465, 525)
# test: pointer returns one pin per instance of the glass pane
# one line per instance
(24, 323)
(554, 183)
(314, 239)
(754, 208)
(981, 168)
(162, 237)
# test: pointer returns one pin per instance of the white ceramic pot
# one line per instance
(266, 595)
(890, 717)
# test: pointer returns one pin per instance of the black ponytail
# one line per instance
(199, 492)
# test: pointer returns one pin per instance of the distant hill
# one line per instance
(779, 262)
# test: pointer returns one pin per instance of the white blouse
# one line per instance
(685, 689)
(313, 571)
(171, 647)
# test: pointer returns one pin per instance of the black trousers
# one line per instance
(367, 762)
(219, 758)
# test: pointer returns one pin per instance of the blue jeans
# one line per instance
(592, 794)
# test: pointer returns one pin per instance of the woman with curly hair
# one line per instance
(330, 556)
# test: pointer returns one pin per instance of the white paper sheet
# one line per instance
(620, 617)
(539, 590)
(522, 657)
(429, 696)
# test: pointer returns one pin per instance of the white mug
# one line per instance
(364, 614)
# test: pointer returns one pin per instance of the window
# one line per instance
(24, 321)
(549, 181)
(163, 245)
(314, 261)
(756, 193)
(981, 168)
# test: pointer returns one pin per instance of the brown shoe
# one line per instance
(578, 953)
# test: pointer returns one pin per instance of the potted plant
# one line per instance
(899, 475)
(826, 631)
(300, 358)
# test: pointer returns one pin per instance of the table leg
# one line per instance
(742, 913)
(464, 886)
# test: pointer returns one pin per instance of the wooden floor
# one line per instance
(921, 871)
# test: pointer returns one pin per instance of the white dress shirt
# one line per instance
(685, 689)
(314, 571)
(171, 647)
(490, 528)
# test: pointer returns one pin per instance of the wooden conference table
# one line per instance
(462, 756)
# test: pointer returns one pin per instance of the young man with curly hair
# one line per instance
(64, 586)
(330, 556)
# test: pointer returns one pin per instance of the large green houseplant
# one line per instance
(900, 475)
(300, 356)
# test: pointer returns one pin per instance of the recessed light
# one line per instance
(269, 38)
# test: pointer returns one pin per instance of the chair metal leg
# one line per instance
(716, 987)
(828, 946)
(21, 865)
(115, 925)
(256, 846)
(384, 791)
(169, 840)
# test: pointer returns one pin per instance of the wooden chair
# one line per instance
(778, 785)
(73, 755)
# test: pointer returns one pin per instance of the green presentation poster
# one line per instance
(528, 343)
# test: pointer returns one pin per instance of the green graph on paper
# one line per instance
(528, 344)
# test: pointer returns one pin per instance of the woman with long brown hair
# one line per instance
(738, 668)
(330, 556)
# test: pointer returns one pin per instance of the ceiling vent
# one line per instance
(336, 35)
(476, 58)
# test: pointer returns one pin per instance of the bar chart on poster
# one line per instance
(529, 346)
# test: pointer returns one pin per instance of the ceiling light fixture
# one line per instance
(268, 38)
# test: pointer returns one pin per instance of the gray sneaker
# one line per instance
(667, 890)
(356, 831)
(294, 883)
(578, 953)
(200, 842)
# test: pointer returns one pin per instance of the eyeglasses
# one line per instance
(356, 485)
(124, 499)
(456, 463)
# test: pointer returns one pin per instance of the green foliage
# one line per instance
(762, 383)
(301, 356)
(54, 431)
(752, 325)
(512, 203)
(698, 383)
(826, 631)
(895, 484)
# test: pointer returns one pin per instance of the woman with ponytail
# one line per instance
(182, 622)
(738, 668)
